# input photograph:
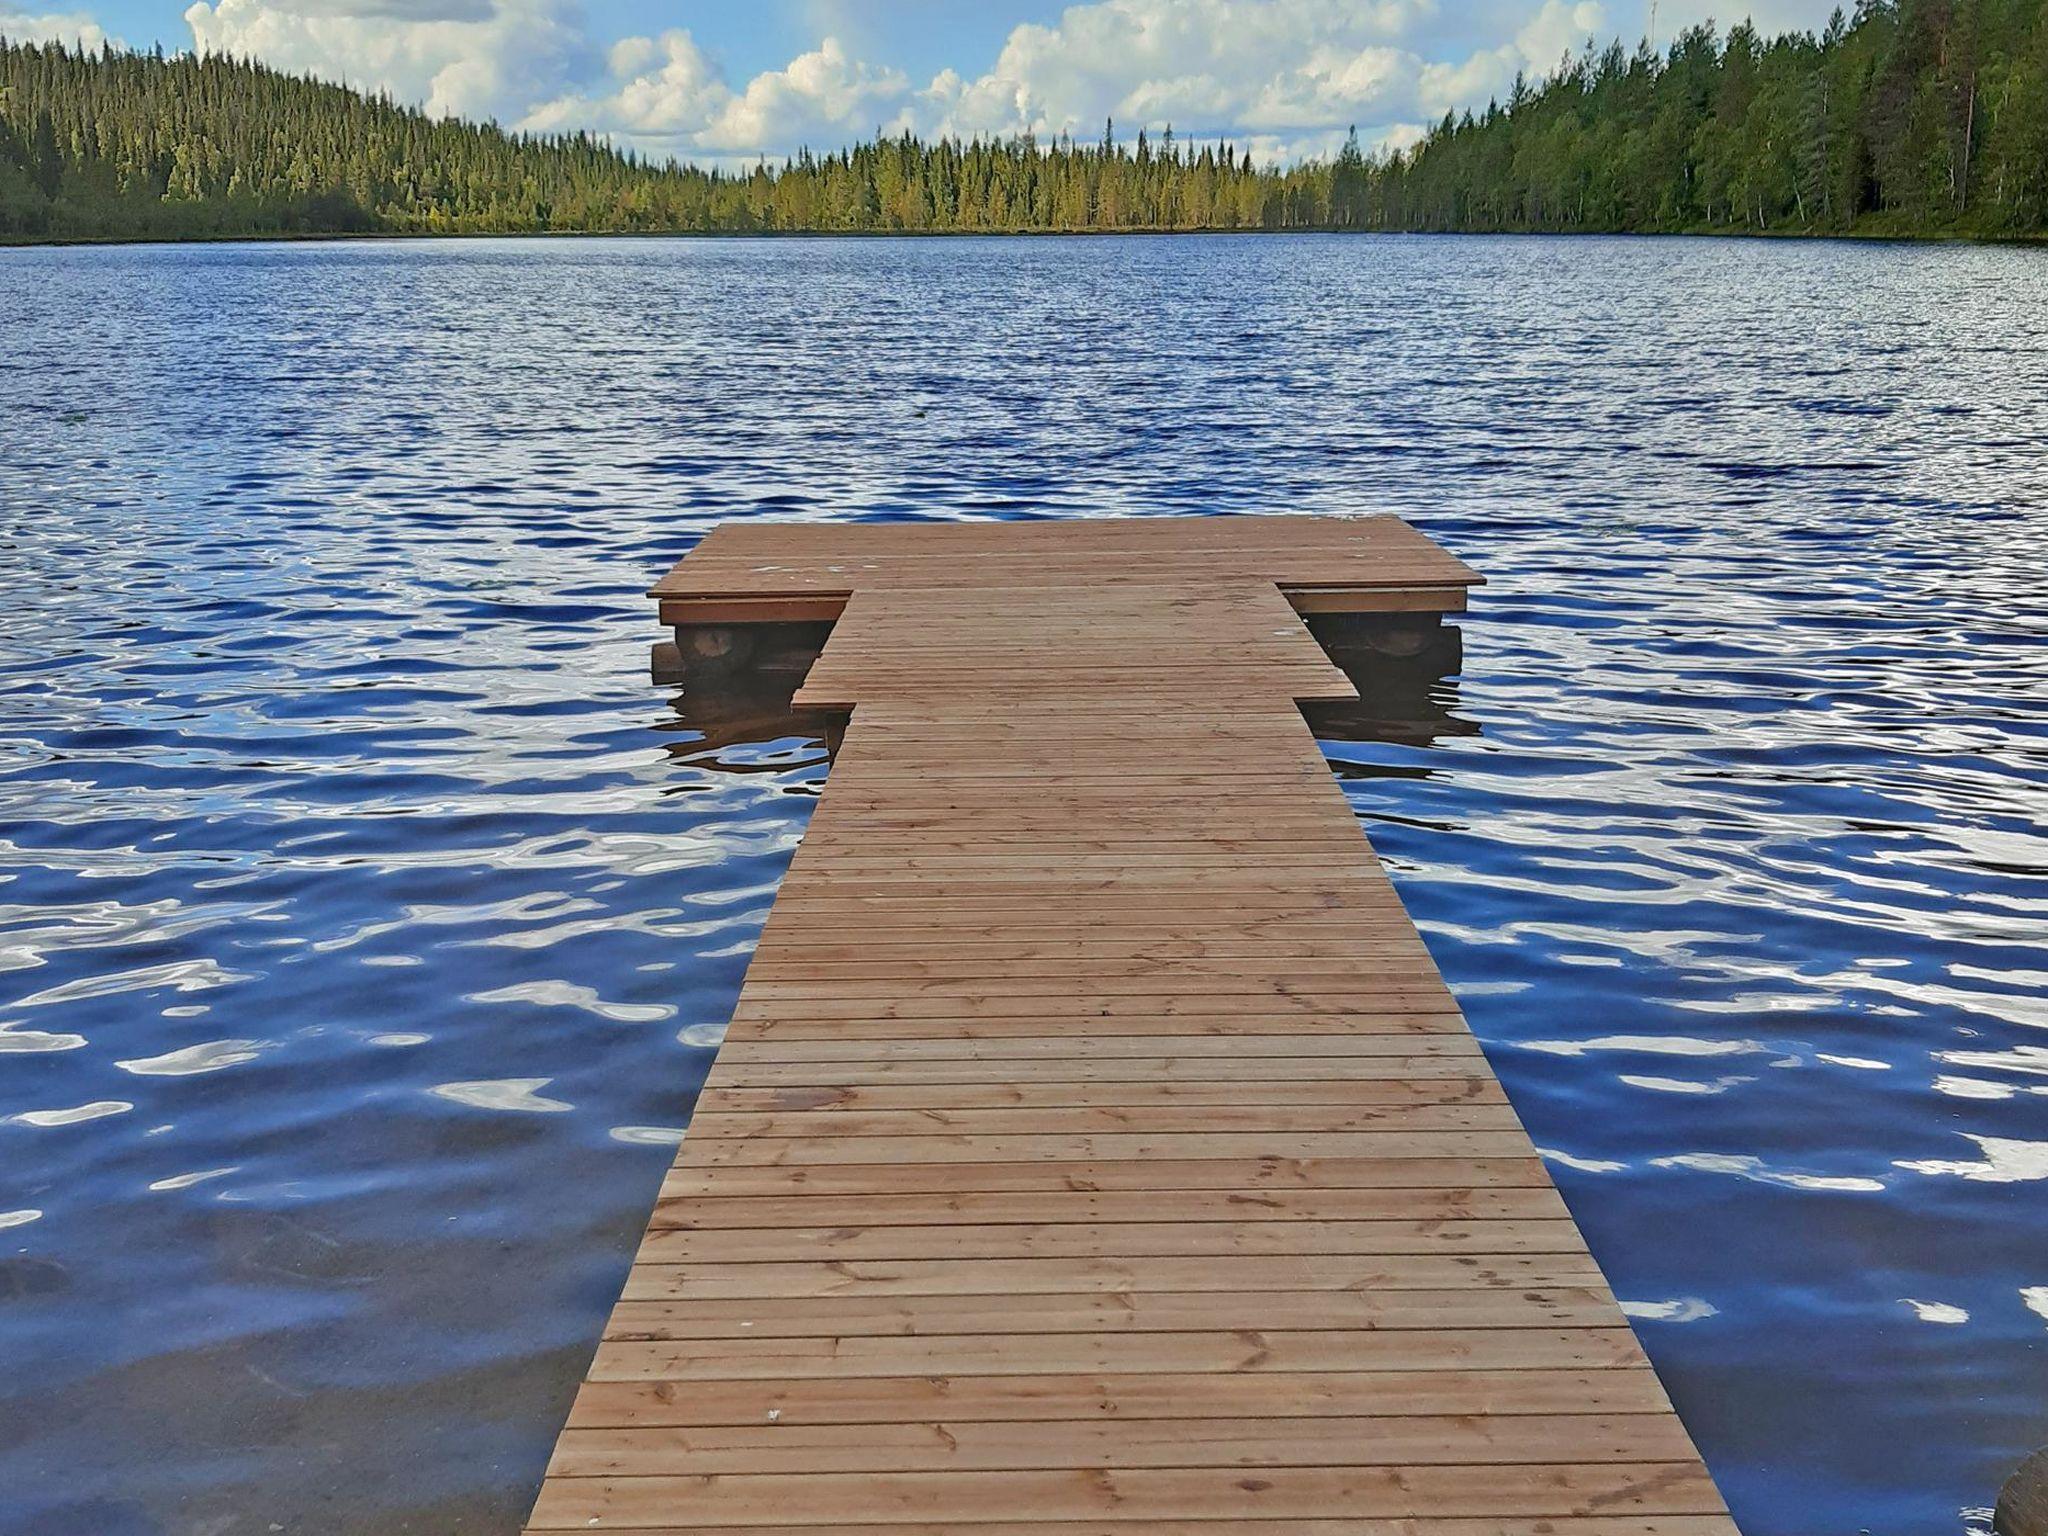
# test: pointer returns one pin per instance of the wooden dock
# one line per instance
(1095, 1149)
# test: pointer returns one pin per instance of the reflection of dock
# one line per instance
(1095, 1147)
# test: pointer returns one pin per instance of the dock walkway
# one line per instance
(1095, 1148)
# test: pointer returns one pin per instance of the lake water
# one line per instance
(367, 921)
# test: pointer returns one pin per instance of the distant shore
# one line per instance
(1874, 128)
(351, 236)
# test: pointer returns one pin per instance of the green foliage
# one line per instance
(1914, 116)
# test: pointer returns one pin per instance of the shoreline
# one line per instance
(315, 237)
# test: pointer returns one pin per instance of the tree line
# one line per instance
(1911, 117)
(1908, 117)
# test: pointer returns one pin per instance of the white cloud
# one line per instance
(1558, 29)
(665, 93)
(53, 27)
(1489, 73)
(1258, 65)
(473, 58)
(667, 86)
(823, 89)
(1286, 78)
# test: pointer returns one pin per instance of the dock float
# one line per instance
(1095, 1149)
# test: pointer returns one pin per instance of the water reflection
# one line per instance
(97, 1110)
(758, 735)
(328, 764)
(1406, 674)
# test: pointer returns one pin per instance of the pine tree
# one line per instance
(1348, 185)
(1908, 115)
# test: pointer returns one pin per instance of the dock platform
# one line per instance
(1095, 1149)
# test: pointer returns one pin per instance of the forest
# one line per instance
(1909, 117)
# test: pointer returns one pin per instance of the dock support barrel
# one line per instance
(756, 654)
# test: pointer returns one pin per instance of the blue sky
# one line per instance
(728, 83)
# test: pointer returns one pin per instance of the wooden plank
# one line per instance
(1418, 1440)
(1010, 1278)
(1117, 1239)
(1068, 1049)
(1094, 1149)
(698, 1213)
(1055, 1398)
(1200, 1119)
(1219, 1238)
(819, 1147)
(1135, 1311)
(841, 1500)
(1598, 1525)
(1354, 1001)
(1107, 1068)
(817, 608)
(1395, 1171)
(1066, 1095)
(1437, 1033)
(1033, 1354)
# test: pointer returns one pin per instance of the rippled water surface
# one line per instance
(367, 921)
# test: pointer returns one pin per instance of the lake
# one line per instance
(367, 920)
